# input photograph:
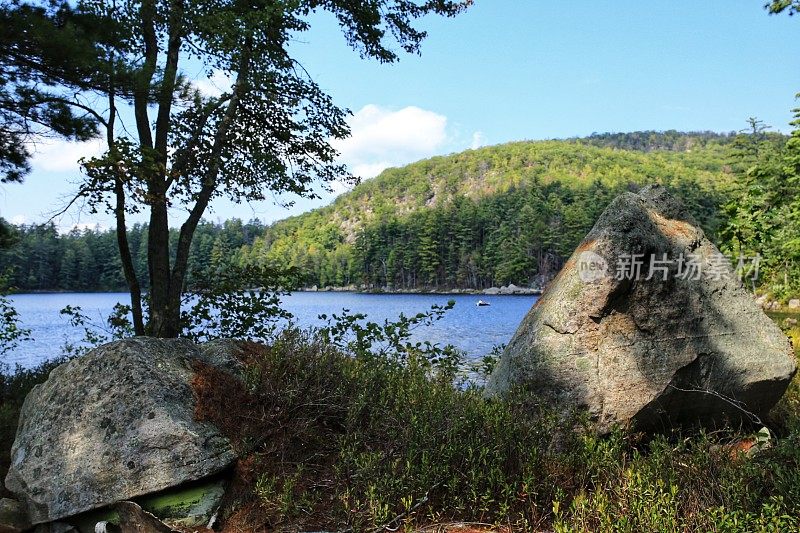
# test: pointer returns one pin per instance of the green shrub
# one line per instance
(336, 441)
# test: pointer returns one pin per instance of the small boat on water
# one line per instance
(481, 303)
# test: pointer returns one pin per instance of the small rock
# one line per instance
(134, 519)
(794, 303)
(790, 322)
(512, 289)
(13, 517)
(106, 527)
(491, 291)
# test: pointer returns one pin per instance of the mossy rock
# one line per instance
(191, 505)
(188, 506)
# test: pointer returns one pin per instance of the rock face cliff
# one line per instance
(115, 424)
(648, 324)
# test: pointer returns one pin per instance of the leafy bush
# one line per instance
(237, 302)
(117, 326)
(11, 333)
(352, 334)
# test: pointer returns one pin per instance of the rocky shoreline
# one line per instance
(505, 290)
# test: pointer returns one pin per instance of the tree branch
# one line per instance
(209, 181)
(181, 156)
(72, 103)
(141, 94)
(82, 190)
(754, 418)
(168, 81)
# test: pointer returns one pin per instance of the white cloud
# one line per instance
(382, 138)
(478, 140)
(214, 86)
(368, 170)
(62, 156)
(18, 220)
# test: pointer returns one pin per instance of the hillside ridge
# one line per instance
(490, 216)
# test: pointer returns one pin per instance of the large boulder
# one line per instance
(115, 424)
(679, 341)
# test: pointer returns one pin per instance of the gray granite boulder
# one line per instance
(647, 324)
(115, 424)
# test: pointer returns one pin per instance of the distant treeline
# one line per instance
(38, 258)
(521, 237)
(649, 141)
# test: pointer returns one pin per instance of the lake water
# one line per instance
(473, 329)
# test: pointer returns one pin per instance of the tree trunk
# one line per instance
(122, 229)
(127, 261)
(164, 313)
(164, 322)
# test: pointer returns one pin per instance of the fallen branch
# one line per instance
(754, 418)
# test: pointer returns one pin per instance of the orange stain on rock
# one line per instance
(587, 244)
(671, 227)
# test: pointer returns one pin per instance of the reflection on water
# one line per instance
(469, 327)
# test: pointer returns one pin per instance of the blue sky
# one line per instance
(511, 70)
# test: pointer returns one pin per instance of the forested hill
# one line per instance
(503, 214)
